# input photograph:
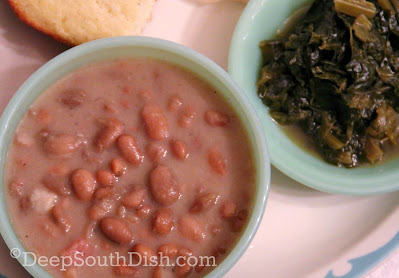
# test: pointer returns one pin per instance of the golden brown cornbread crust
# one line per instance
(79, 21)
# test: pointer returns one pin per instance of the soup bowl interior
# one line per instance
(260, 21)
(138, 47)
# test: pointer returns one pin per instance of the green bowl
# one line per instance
(259, 21)
(131, 47)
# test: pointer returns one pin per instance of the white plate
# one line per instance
(304, 233)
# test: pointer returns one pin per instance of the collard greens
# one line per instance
(336, 75)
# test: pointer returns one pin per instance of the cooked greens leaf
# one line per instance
(337, 76)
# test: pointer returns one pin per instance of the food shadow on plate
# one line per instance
(25, 40)
(11, 79)
(285, 189)
(211, 29)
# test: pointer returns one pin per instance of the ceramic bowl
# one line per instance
(132, 47)
(260, 21)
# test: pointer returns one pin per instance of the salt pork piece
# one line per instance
(42, 200)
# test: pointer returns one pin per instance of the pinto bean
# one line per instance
(44, 116)
(155, 122)
(186, 117)
(44, 133)
(156, 152)
(132, 219)
(185, 252)
(25, 204)
(199, 267)
(101, 208)
(228, 209)
(57, 184)
(144, 252)
(60, 170)
(240, 220)
(215, 230)
(106, 246)
(105, 178)
(191, 229)
(71, 273)
(217, 161)
(15, 188)
(135, 198)
(61, 218)
(103, 192)
(158, 272)
(79, 248)
(84, 184)
(125, 270)
(121, 211)
(127, 146)
(128, 90)
(116, 230)
(163, 222)
(96, 212)
(73, 98)
(163, 185)
(179, 149)
(143, 211)
(216, 118)
(219, 252)
(183, 270)
(50, 228)
(174, 103)
(118, 167)
(112, 129)
(61, 144)
(204, 202)
(168, 250)
(57, 181)
(145, 95)
(111, 107)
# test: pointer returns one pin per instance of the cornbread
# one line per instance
(76, 22)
